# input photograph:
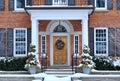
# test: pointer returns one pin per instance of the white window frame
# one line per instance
(56, 4)
(75, 44)
(106, 41)
(42, 43)
(20, 9)
(98, 8)
(19, 55)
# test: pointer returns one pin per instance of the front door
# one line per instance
(60, 50)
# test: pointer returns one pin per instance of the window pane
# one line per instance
(60, 28)
(60, 2)
(101, 41)
(20, 3)
(43, 44)
(76, 46)
(100, 3)
(20, 41)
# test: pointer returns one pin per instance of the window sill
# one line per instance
(101, 10)
(20, 10)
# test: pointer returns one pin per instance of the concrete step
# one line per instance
(60, 71)
(60, 67)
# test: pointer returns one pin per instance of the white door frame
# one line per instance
(51, 47)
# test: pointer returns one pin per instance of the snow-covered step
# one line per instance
(59, 72)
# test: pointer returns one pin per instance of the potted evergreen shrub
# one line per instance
(86, 63)
(31, 62)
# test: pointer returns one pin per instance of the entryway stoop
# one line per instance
(59, 71)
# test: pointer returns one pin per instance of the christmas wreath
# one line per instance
(59, 44)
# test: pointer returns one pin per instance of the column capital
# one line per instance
(85, 20)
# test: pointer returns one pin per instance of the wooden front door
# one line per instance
(60, 50)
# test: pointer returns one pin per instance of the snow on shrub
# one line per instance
(106, 63)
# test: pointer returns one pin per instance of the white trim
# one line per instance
(72, 33)
(51, 46)
(62, 14)
(101, 9)
(14, 42)
(54, 23)
(50, 29)
(19, 9)
(106, 42)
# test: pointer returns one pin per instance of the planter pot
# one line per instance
(86, 70)
(32, 70)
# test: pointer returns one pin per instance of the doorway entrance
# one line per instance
(60, 50)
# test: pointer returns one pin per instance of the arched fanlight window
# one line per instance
(59, 28)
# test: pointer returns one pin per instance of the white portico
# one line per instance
(59, 13)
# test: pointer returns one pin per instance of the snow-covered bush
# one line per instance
(86, 61)
(116, 63)
(31, 59)
(106, 63)
(12, 63)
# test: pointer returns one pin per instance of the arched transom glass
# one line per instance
(60, 28)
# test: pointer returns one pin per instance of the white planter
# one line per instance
(86, 70)
(32, 70)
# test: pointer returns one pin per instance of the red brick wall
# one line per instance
(110, 18)
(12, 19)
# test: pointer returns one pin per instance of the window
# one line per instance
(101, 4)
(43, 44)
(76, 44)
(20, 4)
(101, 41)
(20, 42)
(60, 28)
(60, 2)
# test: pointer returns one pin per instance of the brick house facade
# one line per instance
(59, 28)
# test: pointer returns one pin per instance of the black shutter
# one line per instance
(2, 42)
(111, 41)
(71, 2)
(118, 4)
(91, 41)
(48, 2)
(10, 41)
(2, 5)
(109, 4)
(29, 2)
(28, 38)
(118, 41)
(90, 2)
(11, 5)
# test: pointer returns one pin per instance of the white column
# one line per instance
(34, 38)
(84, 32)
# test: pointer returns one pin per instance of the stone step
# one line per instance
(60, 71)
(60, 67)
